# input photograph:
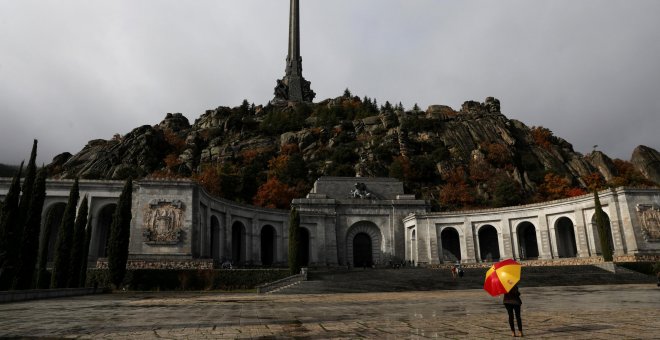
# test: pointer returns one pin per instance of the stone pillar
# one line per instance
(469, 250)
(581, 234)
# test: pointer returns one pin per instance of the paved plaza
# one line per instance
(573, 312)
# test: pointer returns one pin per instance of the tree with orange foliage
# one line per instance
(274, 194)
(209, 179)
(594, 181)
(554, 186)
(542, 137)
(456, 193)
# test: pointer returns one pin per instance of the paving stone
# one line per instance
(576, 312)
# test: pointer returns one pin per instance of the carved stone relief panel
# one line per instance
(649, 215)
(163, 222)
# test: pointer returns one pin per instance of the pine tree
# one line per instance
(120, 232)
(603, 230)
(9, 243)
(54, 217)
(30, 244)
(294, 227)
(77, 250)
(85, 254)
(64, 240)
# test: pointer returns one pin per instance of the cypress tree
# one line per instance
(30, 244)
(85, 254)
(603, 230)
(54, 217)
(64, 240)
(120, 232)
(9, 230)
(28, 183)
(294, 227)
(73, 279)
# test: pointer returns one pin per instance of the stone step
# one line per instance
(421, 279)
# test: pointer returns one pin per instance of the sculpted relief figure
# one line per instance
(360, 191)
(649, 215)
(163, 222)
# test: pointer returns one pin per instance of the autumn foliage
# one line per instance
(556, 187)
(274, 194)
(542, 137)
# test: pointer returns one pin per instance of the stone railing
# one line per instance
(287, 281)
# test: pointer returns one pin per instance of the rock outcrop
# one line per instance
(647, 161)
(347, 136)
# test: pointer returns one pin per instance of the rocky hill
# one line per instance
(472, 157)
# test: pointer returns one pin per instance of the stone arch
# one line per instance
(268, 245)
(527, 243)
(565, 231)
(596, 233)
(489, 245)
(51, 228)
(102, 232)
(238, 243)
(451, 245)
(364, 229)
(217, 239)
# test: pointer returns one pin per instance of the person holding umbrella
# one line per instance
(512, 302)
(502, 278)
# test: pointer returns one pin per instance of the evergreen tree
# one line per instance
(30, 244)
(9, 226)
(603, 229)
(294, 227)
(78, 244)
(26, 197)
(54, 217)
(64, 240)
(85, 254)
(120, 232)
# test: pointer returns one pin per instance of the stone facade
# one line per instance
(357, 221)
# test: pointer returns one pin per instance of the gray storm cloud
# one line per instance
(72, 71)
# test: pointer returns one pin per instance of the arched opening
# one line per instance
(303, 246)
(359, 250)
(608, 233)
(362, 250)
(51, 228)
(104, 221)
(489, 246)
(451, 245)
(566, 246)
(527, 241)
(238, 243)
(216, 240)
(267, 245)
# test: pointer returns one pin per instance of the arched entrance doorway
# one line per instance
(362, 250)
(451, 245)
(267, 245)
(363, 243)
(238, 242)
(566, 246)
(50, 230)
(527, 241)
(303, 246)
(104, 221)
(489, 246)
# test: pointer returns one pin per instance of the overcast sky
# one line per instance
(76, 70)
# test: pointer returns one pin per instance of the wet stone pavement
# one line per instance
(573, 312)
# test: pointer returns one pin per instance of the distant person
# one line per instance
(454, 271)
(512, 303)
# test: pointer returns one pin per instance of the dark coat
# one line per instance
(512, 297)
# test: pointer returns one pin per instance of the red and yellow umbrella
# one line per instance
(502, 276)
